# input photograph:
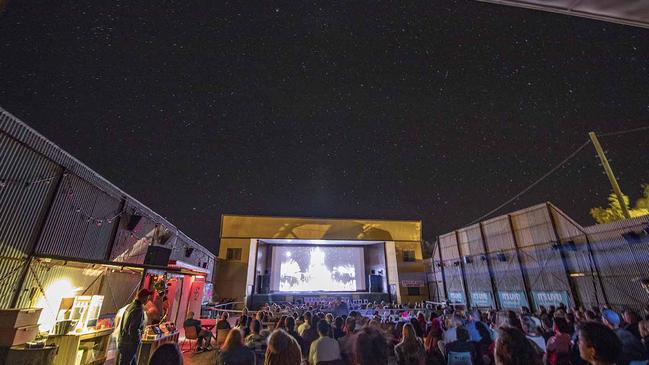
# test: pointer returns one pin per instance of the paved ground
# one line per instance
(204, 358)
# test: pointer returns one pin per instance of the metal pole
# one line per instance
(465, 284)
(593, 261)
(492, 277)
(441, 268)
(609, 173)
(526, 280)
(564, 261)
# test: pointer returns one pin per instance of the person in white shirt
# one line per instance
(324, 348)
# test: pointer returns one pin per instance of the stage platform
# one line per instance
(258, 300)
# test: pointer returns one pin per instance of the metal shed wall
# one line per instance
(452, 265)
(580, 260)
(51, 204)
(22, 203)
(622, 265)
(500, 242)
(437, 277)
(80, 223)
(475, 261)
(542, 262)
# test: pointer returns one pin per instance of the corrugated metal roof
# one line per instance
(627, 12)
(16, 132)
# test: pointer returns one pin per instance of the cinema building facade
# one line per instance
(285, 259)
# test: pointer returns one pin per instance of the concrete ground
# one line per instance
(203, 358)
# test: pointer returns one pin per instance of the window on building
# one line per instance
(409, 255)
(413, 290)
(234, 254)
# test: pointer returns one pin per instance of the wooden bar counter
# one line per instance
(94, 344)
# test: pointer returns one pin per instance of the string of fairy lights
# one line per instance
(99, 221)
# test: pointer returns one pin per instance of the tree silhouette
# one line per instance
(614, 211)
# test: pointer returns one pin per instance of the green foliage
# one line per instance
(614, 211)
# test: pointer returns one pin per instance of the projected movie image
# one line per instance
(318, 268)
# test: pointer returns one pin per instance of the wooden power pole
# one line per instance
(609, 173)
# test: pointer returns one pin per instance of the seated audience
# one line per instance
(643, 329)
(324, 348)
(598, 344)
(338, 327)
(346, 341)
(484, 347)
(410, 351)
(166, 354)
(282, 349)
(462, 345)
(234, 352)
(255, 340)
(203, 336)
(532, 331)
(308, 336)
(222, 323)
(631, 319)
(632, 348)
(513, 348)
(369, 348)
(306, 324)
(558, 346)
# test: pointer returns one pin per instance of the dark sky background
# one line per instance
(435, 110)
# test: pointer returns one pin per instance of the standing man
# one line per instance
(130, 328)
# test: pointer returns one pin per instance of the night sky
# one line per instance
(439, 110)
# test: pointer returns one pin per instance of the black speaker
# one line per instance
(133, 222)
(376, 283)
(263, 284)
(156, 255)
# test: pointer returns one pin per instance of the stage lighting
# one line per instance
(501, 257)
(468, 260)
(483, 257)
(288, 253)
(456, 263)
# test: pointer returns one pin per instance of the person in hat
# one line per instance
(632, 348)
(130, 328)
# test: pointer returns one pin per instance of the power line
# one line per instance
(555, 168)
(573, 154)
(627, 131)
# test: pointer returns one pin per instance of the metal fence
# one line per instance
(540, 256)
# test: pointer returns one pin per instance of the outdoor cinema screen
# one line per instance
(317, 268)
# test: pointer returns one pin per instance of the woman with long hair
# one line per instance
(410, 351)
(369, 347)
(434, 355)
(484, 347)
(233, 350)
(282, 349)
(281, 324)
(513, 348)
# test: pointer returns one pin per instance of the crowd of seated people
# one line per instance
(319, 334)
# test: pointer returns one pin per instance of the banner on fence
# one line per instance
(548, 298)
(456, 297)
(512, 299)
(481, 299)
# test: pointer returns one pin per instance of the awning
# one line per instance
(628, 12)
(186, 268)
